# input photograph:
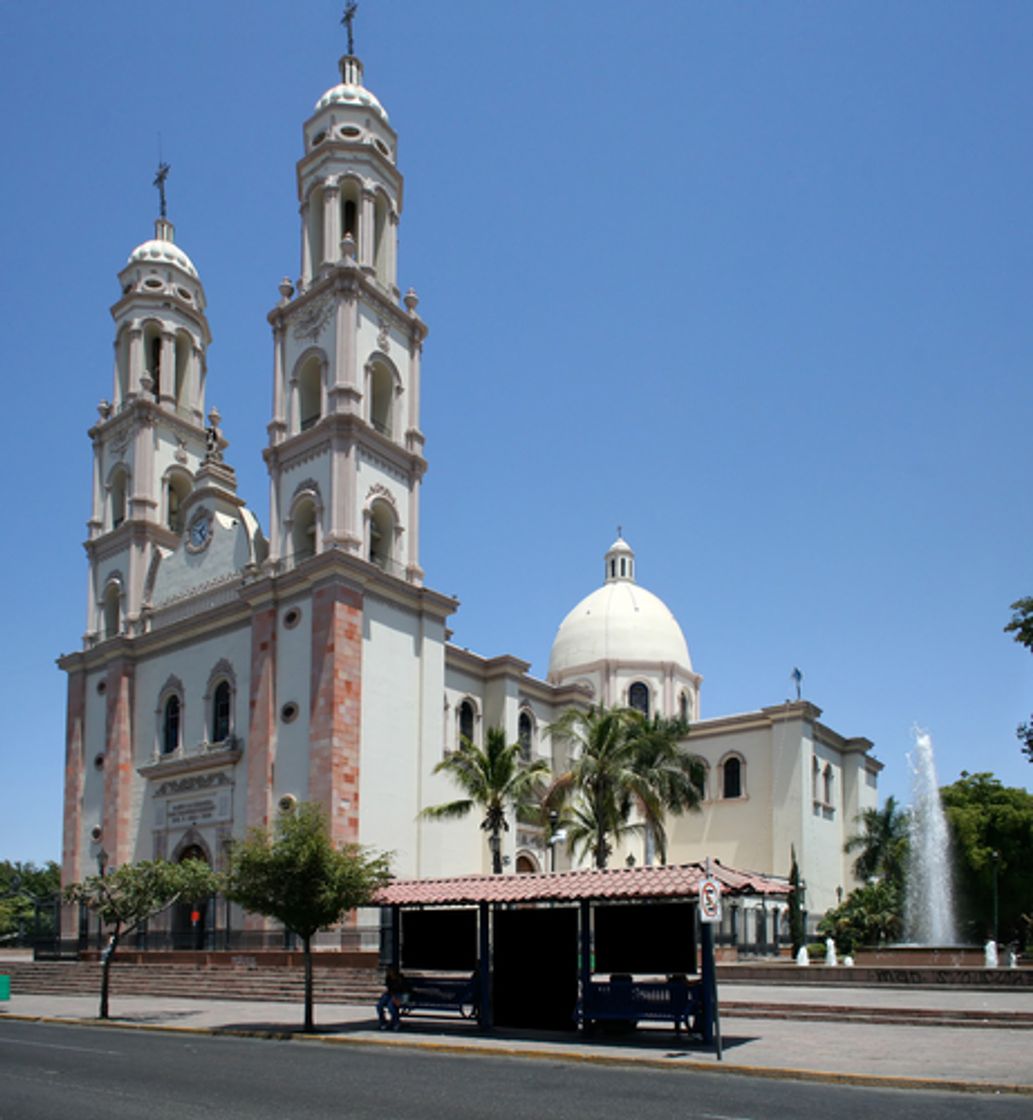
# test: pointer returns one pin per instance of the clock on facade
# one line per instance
(199, 532)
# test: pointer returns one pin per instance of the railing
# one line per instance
(203, 749)
(368, 939)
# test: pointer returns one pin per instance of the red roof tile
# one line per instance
(570, 886)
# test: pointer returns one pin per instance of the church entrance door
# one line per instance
(190, 919)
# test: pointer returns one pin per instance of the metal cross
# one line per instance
(348, 19)
(159, 182)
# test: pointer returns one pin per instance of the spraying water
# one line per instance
(929, 902)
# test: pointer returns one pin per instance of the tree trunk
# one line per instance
(496, 852)
(106, 957)
(307, 942)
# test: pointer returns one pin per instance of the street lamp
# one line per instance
(996, 857)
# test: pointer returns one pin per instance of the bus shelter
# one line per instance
(562, 949)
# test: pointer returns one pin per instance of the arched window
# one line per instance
(525, 735)
(381, 534)
(177, 488)
(381, 397)
(684, 709)
(303, 530)
(184, 352)
(526, 865)
(221, 712)
(351, 203)
(170, 725)
(827, 784)
(310, 393)
(731, 778)
(638, 696)
(314, 228)
(112, 610)
(466, 717)
(119, 486)
(152, 356)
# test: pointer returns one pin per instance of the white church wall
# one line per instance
(293, 687)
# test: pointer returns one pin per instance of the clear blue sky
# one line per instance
(752, 280)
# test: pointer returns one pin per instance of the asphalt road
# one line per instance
(83, 1073)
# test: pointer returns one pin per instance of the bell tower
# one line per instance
(345, 451)
(150, 439)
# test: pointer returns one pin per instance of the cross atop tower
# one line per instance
(348, 20)
(159, 182)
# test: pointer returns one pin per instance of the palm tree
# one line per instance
(882, 843)
(620, 762)
(495, 779)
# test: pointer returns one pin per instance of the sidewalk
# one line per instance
(891, 1054)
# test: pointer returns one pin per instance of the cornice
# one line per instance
(143, 410)
(293, 451)
(606, 664)
(213, 759)
(345, 279)
(131, 531)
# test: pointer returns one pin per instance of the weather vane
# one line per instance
(348, 20)
(159, 182)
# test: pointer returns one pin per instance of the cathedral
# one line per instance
(228, 671)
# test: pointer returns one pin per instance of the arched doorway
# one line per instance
(526, 865)
(190, 919)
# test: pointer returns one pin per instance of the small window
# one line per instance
(349, 131)
(466, 715)
(170, 725)
(731, 779)
(221, 712)
(624, 567)
(525, 734)
(683, 707)
(112, 610)
(827, 784)
(638, 694)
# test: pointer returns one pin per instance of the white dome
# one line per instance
(162, 252)
(348, 94)
(620, 621)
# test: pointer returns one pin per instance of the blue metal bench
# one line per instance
(630, 1001)
(437, 994)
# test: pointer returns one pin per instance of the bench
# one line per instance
(437, 994)
(622, 999)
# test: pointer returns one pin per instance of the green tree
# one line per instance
(869, 915)
(22, 887)
(882, 843)
(129, 896)
(495, 780)
(293, 873)
(797, 933)
(622, 762)
(992, 832)
(1021, 628)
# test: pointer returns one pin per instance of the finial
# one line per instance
(348, 20)
(159, 182)
(620, 535)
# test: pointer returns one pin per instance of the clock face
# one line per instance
(199, 531)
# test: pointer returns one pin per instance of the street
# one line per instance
(49, 1071)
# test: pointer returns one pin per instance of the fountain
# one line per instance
(929, 901)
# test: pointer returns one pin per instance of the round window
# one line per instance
(292, 618)
(289, 712)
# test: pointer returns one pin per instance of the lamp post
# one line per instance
(556, 836)
(996, 857)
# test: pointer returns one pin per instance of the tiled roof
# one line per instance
(570, 886)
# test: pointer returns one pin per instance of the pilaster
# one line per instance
(116, 833)
(336, 708)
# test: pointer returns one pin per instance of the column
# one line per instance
(279, 336)
(167, 378)
(331, 221)
(336, 708)
(306, 249)
(366, 226)
(391, 232)
(119, 771)
(136, 360)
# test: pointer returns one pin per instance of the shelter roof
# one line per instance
(617, 884)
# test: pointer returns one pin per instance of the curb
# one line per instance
(771, 1073)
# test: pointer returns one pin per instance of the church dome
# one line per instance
(619, 621)
(351, 91)
(161, 251)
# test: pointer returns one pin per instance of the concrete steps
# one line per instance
(332, 985)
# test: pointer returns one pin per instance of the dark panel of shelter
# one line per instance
(535, 977)
(645, 937)
(439, 939)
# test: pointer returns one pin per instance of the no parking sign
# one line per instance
(709, 900)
